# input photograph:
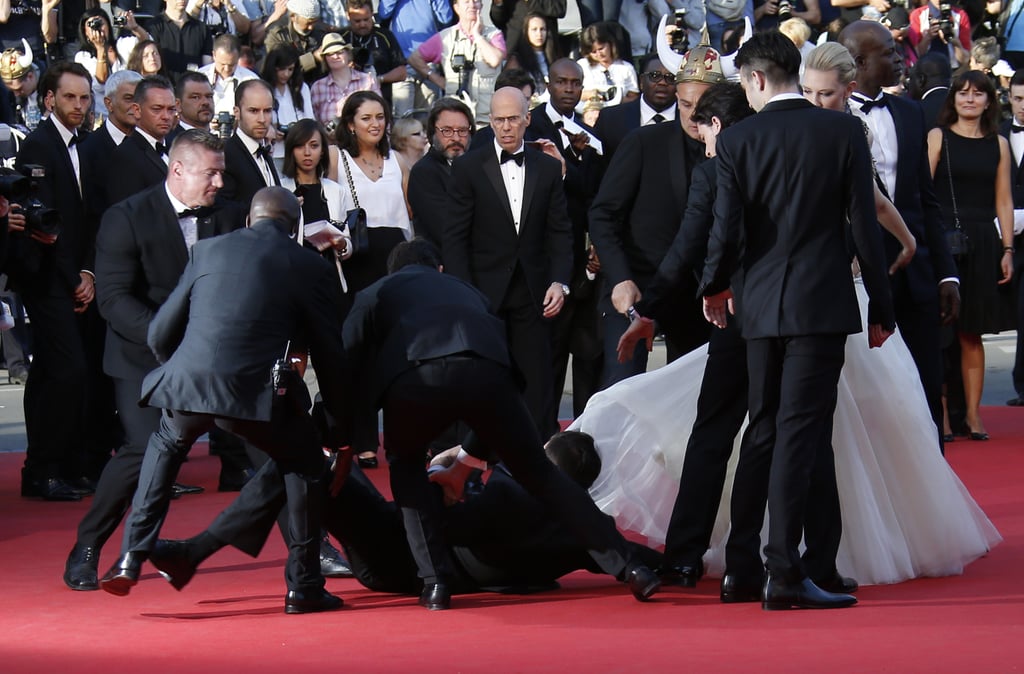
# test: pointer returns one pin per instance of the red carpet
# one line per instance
(230, 618)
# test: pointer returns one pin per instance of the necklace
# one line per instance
(372, 169)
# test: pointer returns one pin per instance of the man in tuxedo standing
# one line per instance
(194, 97)
(141, 160)
(431, 352)
(636, 215)
(657, 104)
(576, 328)
(141, 251)
(1013, 130)
(797, 302)
(926, 292)
(250, 164)
(218, 358)
(509, 234)
(55, 280)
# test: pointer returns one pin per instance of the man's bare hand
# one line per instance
(638, 331)
(578, 141)
(452, 481)
(877, 335)
(718, 307)
(341, 469)
(553, 300)
(949, 302)
(85, 293)
(624, 295)
(550, 149)
(446, 458)
(593, 262)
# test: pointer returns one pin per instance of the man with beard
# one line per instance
(300, 31)
(194, 97)
(250, 166)
(141, 160)
(450, 128)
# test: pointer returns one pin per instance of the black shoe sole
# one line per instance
(119, 586)
(793, 605)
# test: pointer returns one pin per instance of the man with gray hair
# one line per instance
(95, 151)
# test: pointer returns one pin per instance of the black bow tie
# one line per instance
(1015, 128)
(264, 151)
(197, 212)
(74, 140)
(869, 104)
(161, 149)
(508, 156)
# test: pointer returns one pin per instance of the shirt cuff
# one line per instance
(950, 278)
(470, 460)
(86, 271)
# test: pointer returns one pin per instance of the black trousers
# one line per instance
(423, 401)
(576, 331)
(793, 389)
(289, 437)
(529, 342)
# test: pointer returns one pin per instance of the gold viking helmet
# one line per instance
(14, 64)
(703, 63)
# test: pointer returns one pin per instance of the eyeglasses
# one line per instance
(448, 132)
(656, 76)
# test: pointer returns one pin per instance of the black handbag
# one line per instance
(956, 238)
(355, 219)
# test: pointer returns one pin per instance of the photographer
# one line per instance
(940, 27)
(376, 49)
(768, 14)
(98, 53)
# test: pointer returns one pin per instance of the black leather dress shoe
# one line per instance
(367, 461)
(83, 486)
(436, 597)
(739, 590)
(80, 569)
(314, 602)
(332, 564)
(178, 490)
(1016, 402)
(171, 559)
(48, 489)
(838, 584)
(643, 582)
(781, 596)
(234, 480)
(684, 575)
(124, 574)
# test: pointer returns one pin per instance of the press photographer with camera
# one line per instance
(375, 49)
(941, 27)
(98, 53)
(605, 74)
(769, 14)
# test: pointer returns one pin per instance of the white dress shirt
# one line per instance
(252, 145)
(116, 134)
(189, 225)
(224, 88)
(514, 177)
(66, 135)
(884, 144)
(647, 113)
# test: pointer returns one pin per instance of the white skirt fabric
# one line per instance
(905, 512)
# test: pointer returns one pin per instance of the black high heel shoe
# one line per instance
(367, 461)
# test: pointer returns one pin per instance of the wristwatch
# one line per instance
(565, 290)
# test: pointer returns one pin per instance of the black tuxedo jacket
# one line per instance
(580, 171)
(138, 166)
(95, 153)
(140, 255)
(54, 268)
(1016, 182)
(641, 201)
(242, 177)
(218, 355)
(915, 200)
(793, 205)
(428, 195)
(418, 314)
(931, 104)
(480, 240)
(615, 123)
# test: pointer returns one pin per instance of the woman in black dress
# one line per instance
(970, 165)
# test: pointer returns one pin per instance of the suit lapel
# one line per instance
(493, 173)
(150, 154)
(64, 154)
(167, 220)
(678, 173)
(529, 186)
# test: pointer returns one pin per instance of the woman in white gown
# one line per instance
(905, 512)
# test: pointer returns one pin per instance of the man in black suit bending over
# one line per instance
(657, 104)
(430, 353)
(141, 160)
(55, 280)
(217, 362)
(926, 292)
(797, 301)
(509, 234)
(141, 249)
(250, 164)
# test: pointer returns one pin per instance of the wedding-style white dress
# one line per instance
(905, 512)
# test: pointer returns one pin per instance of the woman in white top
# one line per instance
(604, 73)
(291, 93)
(371, 177)
(98, 54)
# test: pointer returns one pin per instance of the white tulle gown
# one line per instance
(905, 512)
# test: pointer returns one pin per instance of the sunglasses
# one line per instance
(657, 76)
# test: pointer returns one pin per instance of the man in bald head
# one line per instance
(509, 235)
(217, 360)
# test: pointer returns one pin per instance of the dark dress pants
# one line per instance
(721, 408)
(793, 384)
(575, 331)
(529, 342)
(1018, 362)
(289, 437)
(423, 401)
(54, 396)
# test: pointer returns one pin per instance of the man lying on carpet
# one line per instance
(500, 538)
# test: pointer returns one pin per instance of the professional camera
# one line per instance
(681, 37)
(20, 188)
(608, 94)
(285, 128)
(96, 23)
(120, 21)
(460, 62)
(225, 124)
(785, 11)
(946, 19)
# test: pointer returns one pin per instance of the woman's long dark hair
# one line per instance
(279, 58)
(83, 41)
(297, 136)
(135, 58)
(989, 122)
(726, 101)
(525, 54)
(347, 139)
